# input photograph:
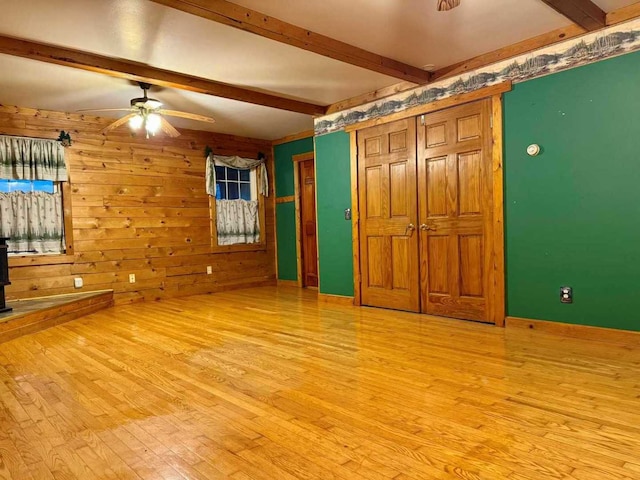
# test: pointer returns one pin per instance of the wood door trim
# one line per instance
(453, 101)
(498, 302)
(296, 199)
(303, 157)
(355, 218)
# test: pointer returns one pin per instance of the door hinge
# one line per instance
(422, 120)
(491, 121)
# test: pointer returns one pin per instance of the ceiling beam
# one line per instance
(130, 70)
(236, 16)
(584, 13)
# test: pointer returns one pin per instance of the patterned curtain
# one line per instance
(32, 159)
(238, 163)
(237, 221)
(32, 221)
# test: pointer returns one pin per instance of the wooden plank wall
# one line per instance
(139, 206)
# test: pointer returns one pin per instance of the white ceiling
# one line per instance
(407, 30)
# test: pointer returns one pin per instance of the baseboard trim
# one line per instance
(337, 299)
(288, 283)
(587, 332)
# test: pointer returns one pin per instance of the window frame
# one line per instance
(239, 247)
(53, 258)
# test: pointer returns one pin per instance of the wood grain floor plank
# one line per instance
(269, 383)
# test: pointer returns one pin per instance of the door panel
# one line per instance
(455, 196)
(388, 207)
(307, 182)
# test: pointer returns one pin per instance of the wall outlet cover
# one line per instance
(209, 270)
(77, 282)
(566, 294)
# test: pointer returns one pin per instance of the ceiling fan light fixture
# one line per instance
(136, 122)
(152, 124)
(444, 5)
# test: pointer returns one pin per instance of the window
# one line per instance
(234, 184)
(237, 212)
(7, 186)
(33, 183)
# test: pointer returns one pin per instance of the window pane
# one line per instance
(221, 191)
(244, 175)
(220, 173)
(232, 174)
(43, 186)
(234, 194)
(245, 191)
(26, 186)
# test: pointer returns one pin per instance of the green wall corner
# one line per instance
(286, 227)
(285, 212)
(283, 155)
(333, 187)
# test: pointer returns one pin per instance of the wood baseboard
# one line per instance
(337, 299)
(288, 283)
(600, 334)
(33, 315)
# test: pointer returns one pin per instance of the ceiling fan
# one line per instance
(148, 114)
(444, 5)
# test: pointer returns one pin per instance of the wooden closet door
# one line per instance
(455, 185)
(388, 216)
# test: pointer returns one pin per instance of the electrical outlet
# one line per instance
(77, 282)
(209, 270)
(132, 278)
(566, 294)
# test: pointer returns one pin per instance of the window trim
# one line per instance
(240, 247)
(55, 258)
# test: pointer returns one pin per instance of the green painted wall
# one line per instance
(286, 228)
(573, 212)
(285, 212)
(333, 184)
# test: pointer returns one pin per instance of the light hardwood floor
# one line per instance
(270, 384)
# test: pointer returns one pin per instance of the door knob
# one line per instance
(410, 228)
(425, 228)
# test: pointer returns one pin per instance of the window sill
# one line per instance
(35, 260)
(245, 247)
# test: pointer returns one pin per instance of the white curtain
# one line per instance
(32, 221)
(237, 221)
(239, 163)
(23, 158)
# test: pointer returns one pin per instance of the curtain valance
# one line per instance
(24, 158)
(239, 163)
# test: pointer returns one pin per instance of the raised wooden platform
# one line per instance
(35, 314)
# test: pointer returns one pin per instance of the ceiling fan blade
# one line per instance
(168, 128)
(190, 116)
(105, 110)
(117, 123)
